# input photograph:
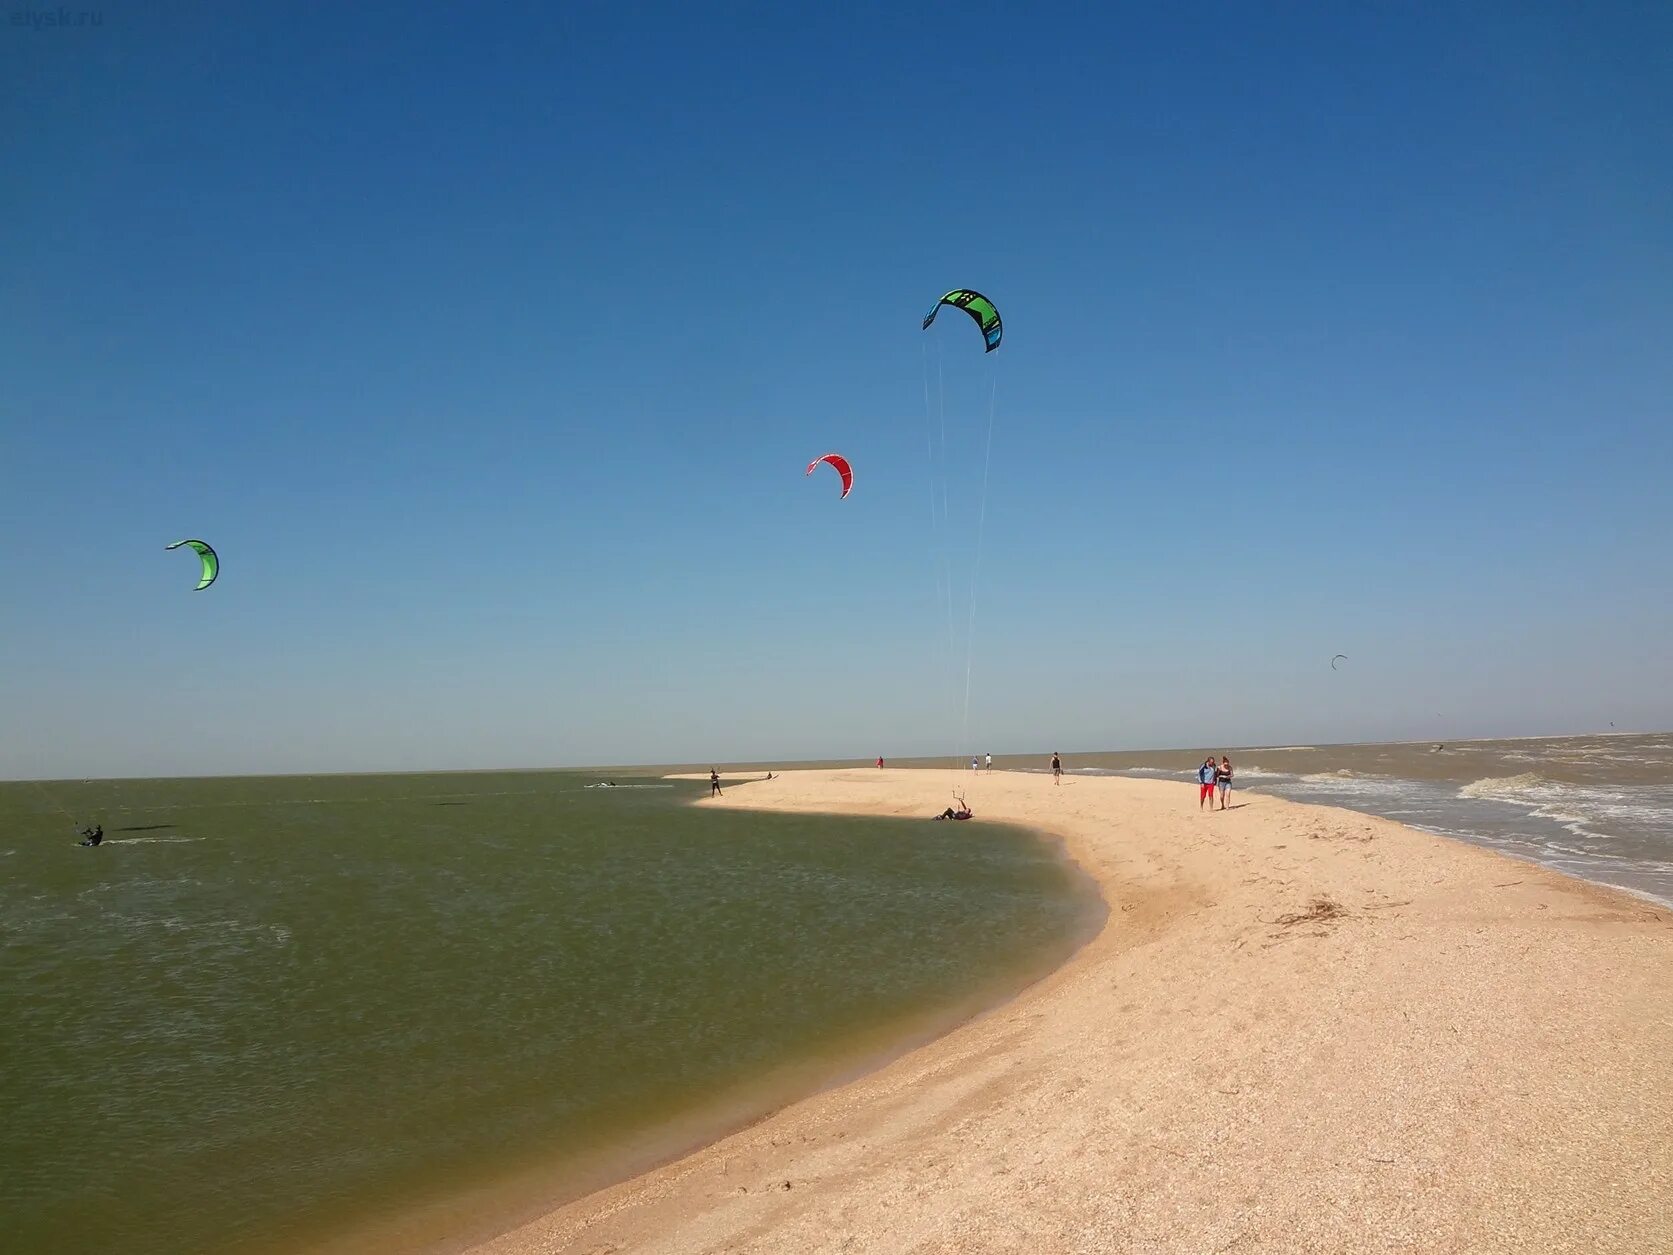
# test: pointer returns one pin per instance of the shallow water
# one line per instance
(269, 1011)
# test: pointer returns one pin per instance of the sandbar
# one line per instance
(1300, 1029)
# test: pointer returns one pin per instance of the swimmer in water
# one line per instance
(95, 835)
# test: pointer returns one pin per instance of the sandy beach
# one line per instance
(1300, 1030)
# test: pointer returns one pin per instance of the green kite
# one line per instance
(978, 307)
(211, 564)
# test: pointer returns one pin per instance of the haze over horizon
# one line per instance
(489, 352)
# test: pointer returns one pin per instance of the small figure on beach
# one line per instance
(95, 835)
(1056, 768)
(963, 811)
(714, 782)
(1223, 778)
(1205, 781)
(880, 762)
(989, 758)
(975, 765)
(769, 775)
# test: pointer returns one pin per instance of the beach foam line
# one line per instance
(1301, 1028)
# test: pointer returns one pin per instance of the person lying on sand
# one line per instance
(964, 811)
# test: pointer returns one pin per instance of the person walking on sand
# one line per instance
(1056, 768)
(975, 765)
(880, 762)
(714, 783)
(1205, 782)
(990, 762)
(1223, 778)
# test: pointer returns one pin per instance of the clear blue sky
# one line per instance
(488, 344)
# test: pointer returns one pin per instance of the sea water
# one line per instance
(268, 1012)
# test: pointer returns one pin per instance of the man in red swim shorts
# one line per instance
(1205, 783)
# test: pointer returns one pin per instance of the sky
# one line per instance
(489, 346)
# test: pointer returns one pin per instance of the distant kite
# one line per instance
(211, 564)
(978, 307)
(1343, 657)
(842, 468)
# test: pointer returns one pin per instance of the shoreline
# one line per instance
(465, 1220)
(1195, 1025)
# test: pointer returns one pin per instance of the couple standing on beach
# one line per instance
(1209, 777)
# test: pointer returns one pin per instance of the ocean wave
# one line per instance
(1528, 785)
(1350, 784)
(1590, 812)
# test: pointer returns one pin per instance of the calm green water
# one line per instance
(267, 1010)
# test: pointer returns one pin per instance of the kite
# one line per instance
(978, 307)
(211, 564)
(842, 468)
(1343, 657)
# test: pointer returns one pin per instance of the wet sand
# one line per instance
(1301, 1029)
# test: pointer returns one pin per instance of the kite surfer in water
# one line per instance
(95, 835)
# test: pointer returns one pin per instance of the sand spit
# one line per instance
(1301, 1030)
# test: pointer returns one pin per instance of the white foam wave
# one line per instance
(1589, 812)
(1347, 783)
(148, 840)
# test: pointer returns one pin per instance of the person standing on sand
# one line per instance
(1223, 778)
(990, 762)
(714, 783)
(1056, 768)
(1205, 782)
(880, 762)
